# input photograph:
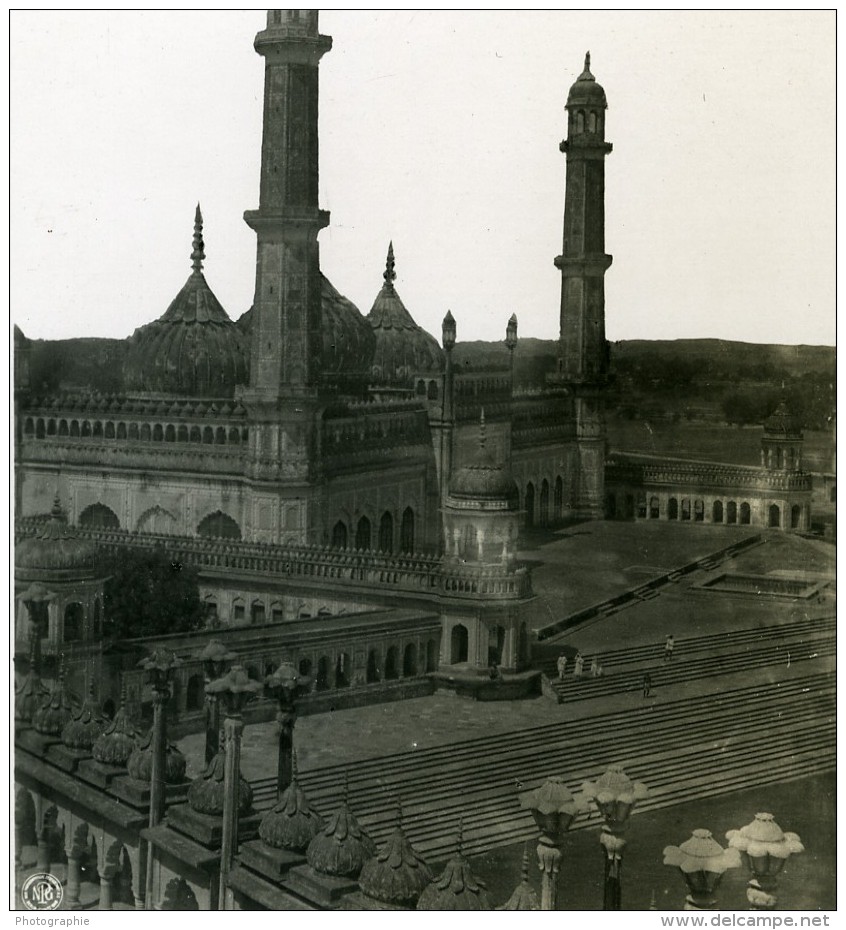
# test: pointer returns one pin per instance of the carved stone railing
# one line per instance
(411, 574)
(631, 468)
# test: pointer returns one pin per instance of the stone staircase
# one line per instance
(696, 659)
(683, 749)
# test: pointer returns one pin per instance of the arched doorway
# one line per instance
(717, 512)
(431, 656)
(544, 503)
(745, 514)
(218, 525)
(654, 508)
(699, 511)
(409, 661)
(99, 516)
(305, 667)
(362, 534)
(672, 509)
(257, 613)
(774, 516)
(685, 509)
(372, 675)
(530, 505)
(392, 664)
(558, 499)
(731, 512)
(496, 642)
(322, 682)
(458, 644)
(339, 535)
(407, 530)
(73, 622)
(795, 517)
(342, 671)
(386, 533)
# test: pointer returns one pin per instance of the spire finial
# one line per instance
(390, 275)
(399, 812)
(461, 835)
(524, 870)
(294, 765)
(482, 436)
(56, 513)
(346, 787)
(198, 256)
(587, 61)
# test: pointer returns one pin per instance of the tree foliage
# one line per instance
(149, 594)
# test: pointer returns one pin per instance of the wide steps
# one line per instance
(734, 640)
(675, 672)
(735, 730)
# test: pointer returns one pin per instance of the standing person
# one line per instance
(594, 667)
(669, 645)
(579, 667)
(647, 684)
(561, 665)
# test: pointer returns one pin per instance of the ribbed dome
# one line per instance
(403, 349)
(586, 90)
(55, 551)
(193, 350)
(782, 423)
(484, 479)
(347, 341)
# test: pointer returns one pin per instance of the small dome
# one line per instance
(586, 90)
(783, 424)
(85, 725)
(456, 889)
(484, 479)
(56, 551)
(403, 349)
(193, 350)
(140, 763)
(117, 742)
(342, 847)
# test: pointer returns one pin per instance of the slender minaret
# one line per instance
(583, 352)
(284, 365)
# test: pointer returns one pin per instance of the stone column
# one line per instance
(233, 728)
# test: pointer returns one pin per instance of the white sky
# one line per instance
(439, 130)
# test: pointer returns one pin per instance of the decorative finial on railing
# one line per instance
(587, 61)
(390, 275)
(294, 768)
(482, 433)
(198, 255)
(524, 868)
(461, 835)
(346, 795)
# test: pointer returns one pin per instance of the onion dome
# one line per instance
(206, 793)
(31, 693)
(403, 349)
(782, 424)
(342, 847)
(85, 725)
(195, 349)
(56, 551)
(117, 742)
(292, 823)
(57, 710)
(396, 874)
(586, 91)
(524, 897)
(140, 763)
(456, 888)
(484, 480)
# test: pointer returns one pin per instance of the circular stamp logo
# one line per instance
(42, 892)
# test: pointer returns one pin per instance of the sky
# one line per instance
(439, 131)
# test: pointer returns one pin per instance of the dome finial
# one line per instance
(390, 275)
(587, 61)
(198, 255)
(586, 75)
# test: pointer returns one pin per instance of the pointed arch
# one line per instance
(543, 518)
(386, 533)
(407, 530)
(219, 525)
(339, 535)
(100, 516)
(529, 505)
(362, 534)
(157, 520)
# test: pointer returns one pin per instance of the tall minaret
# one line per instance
(284, 365)
(583, 353)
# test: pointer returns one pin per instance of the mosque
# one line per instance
(351, 489)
